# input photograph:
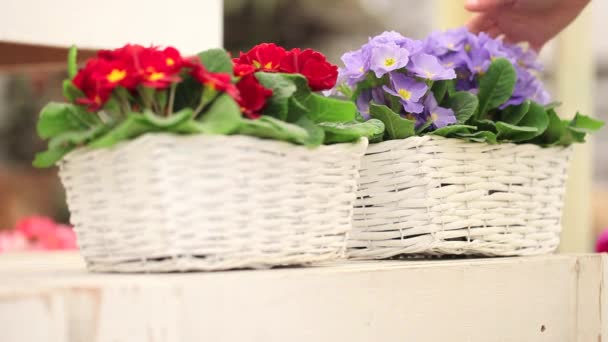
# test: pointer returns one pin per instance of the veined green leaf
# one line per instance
(271, 128)
(513, 114)
(316, 134)
(56, 118)
(514, 133)
(440, 89)
(464, 105)
(222, 117)
(481, 137)
(216, 60)
(352, 131)
(77, 138)
(496, 86)
(449, 131)
(396, 127)
(168, 121)
(283, 89)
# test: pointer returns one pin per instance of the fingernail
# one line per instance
(472, 3)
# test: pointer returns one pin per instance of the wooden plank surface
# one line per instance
(551, 298)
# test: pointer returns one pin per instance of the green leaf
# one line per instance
(292, 99)
(449, 131)
(271, 128)
(56, 118)
(585, 124)
(296, 109)
(513, 114)
(169, 121)
(351, 131)
(77, 138)
(316, 134)
(217, 60)
(552, 105)
(345, 90)
(70, 92)
(326, 109)
(496, 86)
(451, 87)
(440, 89)
(72, 61)
(49, 158)
(480, 137)
(188, 93)
(222, 117)
(283, 88)
(533, 124)
(464, 105)
(515, 133)
(133, 126)
(536, 117)
(552, 135)
(484, 125)
(396, 126)
(426, 125)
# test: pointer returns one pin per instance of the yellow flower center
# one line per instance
(361, 70)
(257, 64)
(155, 76)
(429, 74)
(170, 62)
(404, 93)
(116, 75)
(467, 47)
(389, 62)
(434, 117)
(268, 65)
(451, 45)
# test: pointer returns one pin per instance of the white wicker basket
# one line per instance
(164, 203)
(432, 196)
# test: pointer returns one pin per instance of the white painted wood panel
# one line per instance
(189, 25)
(551, 298)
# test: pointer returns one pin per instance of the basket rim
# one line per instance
(430, 137)
(358, 147)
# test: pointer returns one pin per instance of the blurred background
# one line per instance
(576, 72)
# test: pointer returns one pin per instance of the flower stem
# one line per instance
(145, 99)
(171, 99)
(208, 95)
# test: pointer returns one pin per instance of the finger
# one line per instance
(480, 23)
(494, 32)
(487, 5)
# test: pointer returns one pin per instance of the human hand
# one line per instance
(533, 21)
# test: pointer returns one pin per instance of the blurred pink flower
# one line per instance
(61, 238)
(36, 227)
(601, 245)
(13, 241)
(38, 233)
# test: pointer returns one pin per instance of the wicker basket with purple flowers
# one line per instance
(474, 158)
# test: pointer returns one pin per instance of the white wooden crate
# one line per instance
(52, 298)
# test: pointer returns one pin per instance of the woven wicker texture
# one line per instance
(431, 195)
(165, 203)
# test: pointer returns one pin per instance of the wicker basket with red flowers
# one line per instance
(175, 163)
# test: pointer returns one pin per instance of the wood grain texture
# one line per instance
(549, 298)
